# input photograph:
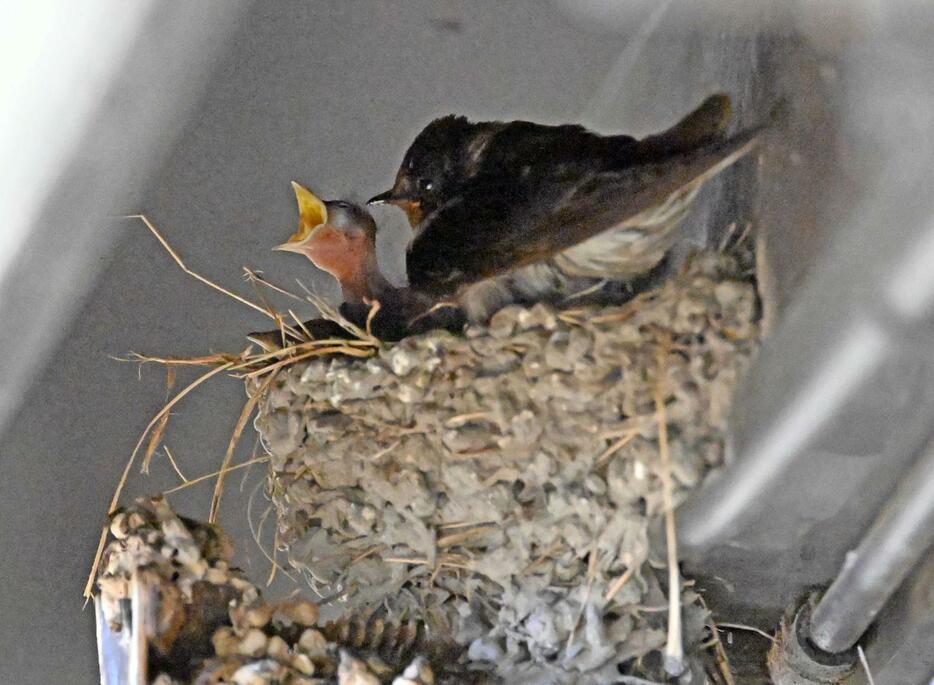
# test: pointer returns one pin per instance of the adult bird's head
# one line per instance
(443, 155)
(339, 237)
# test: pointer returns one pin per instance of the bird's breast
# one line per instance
(633, 247)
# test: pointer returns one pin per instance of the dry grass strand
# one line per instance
(674, 648)
(334, 315)
(245, 414)
(208, 476)
(746, 628)
(619, 583)
(608, 453)
(194, 274)
(171, 459)
(204, 360)
(257, 531)
(89, 587)
(156, 436)
(349, 351)
(256, 277)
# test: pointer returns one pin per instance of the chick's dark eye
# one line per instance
(426, 185)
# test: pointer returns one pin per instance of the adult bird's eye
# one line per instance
(425, 184)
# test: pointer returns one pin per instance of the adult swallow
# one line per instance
(517, 210)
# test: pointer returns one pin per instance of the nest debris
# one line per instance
(500, 485)
(212, 626)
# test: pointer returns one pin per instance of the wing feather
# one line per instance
(496, 224)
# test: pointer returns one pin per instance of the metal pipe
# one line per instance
(899, 537)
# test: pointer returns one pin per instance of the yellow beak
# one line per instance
(313, 214)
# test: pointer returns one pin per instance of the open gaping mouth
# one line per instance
(301, 237)
(313, 216)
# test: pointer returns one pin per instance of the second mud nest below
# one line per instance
(500, 485)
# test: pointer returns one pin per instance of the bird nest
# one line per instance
(205, 622)
(500, 485)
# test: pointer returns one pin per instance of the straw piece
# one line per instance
(208, 476)
(205, 360)
(349, 351)
(193, 274)
(743, 626)
(674, 649)
(245, 414)
(156, 437)
(614, 448)
(97, 562)
(334, 315)
(255, 276)
(174, 465)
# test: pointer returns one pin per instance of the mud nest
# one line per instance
(211, 625)
(500, 485)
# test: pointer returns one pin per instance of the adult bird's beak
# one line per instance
(408, 203)
(383, 198)
(313, 215)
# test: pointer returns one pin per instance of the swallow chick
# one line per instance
(518, 211)
(339, 237)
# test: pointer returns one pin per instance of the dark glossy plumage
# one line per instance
(497, 223)
(523, 208)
